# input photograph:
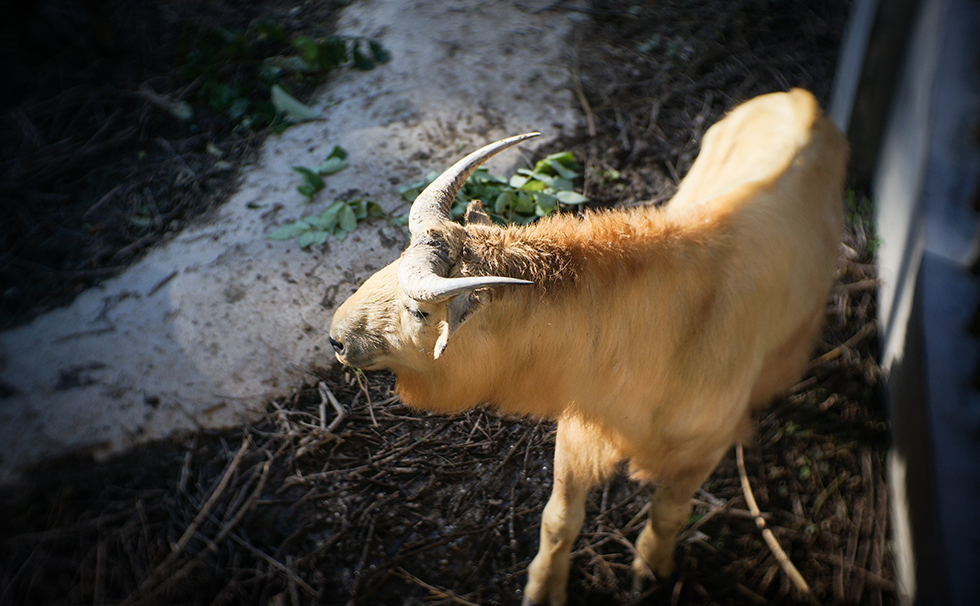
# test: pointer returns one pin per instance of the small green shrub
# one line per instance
(247, 74)
(340, 219)
(521, 199)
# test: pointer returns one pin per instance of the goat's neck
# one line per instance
(504, 355)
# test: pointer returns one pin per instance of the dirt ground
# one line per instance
(392, 506)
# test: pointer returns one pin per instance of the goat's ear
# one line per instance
(475, 215)
(458, 311)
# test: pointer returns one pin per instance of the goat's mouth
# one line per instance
(360, 363)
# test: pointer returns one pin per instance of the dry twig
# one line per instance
(326, 394)
(791, 571)
(435, 591)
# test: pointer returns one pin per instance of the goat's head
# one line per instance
(405, 314)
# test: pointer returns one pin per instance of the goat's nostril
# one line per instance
(337, 345)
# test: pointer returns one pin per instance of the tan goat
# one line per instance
(649, 334)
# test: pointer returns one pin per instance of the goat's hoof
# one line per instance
(548, 599)
(641, 582)
(660, 569)
(665, 569)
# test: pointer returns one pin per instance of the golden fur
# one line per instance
(649, 334)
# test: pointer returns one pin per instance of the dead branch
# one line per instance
(791, 571)
(435, 591)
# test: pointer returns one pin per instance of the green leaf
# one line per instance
(375, 210)
(399, 220)
(565, 160)
(307, 46)
(312, 182)
(411, 191)
(331, 166)
(348, 220)
(483, 176)
(360, 210)
(331, 216)
(331, 52)
(518, 181)
(534, 185)
(287, 104)
(381, 54)
(553, 182)
(325, 221)
(546, 203)
(309, 175)
(504, 204)
(564, 173)
(363, 61)
(524, 205)
(290, 230)
(571, 197)
(307, 238)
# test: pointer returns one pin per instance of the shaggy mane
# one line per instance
(556, 252)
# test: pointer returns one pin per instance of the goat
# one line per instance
(649, 334)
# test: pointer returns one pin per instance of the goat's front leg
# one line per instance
(547, 576)
(670, 507)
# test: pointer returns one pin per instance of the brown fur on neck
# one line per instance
(556, 251)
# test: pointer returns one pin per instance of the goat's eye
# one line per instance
(419, 314)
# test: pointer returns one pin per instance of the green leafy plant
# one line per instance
(313, 177)
(521, 199)
(332, 52)
(340, 219)
(860, 216)
(247, 74)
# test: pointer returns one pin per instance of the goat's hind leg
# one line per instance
(670, 507)
(579, 462)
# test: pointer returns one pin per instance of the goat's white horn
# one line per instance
(433, 288)
(422, 271)
(423, 267)
(434, 202)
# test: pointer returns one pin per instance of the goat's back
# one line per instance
(754, 143)
(773, 169)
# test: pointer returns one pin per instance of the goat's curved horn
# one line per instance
(423, 267)
(422, 271)
(436, 288)
(434, 202)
